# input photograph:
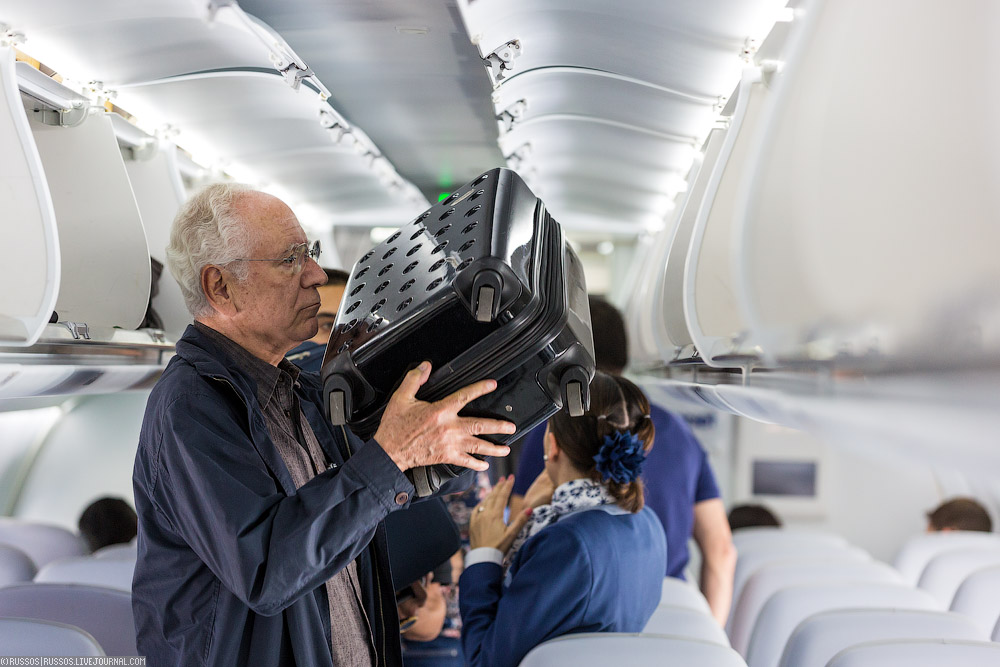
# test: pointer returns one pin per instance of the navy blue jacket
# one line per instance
(232, 559)
(595, 570)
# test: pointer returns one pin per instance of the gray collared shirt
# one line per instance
(350, 631)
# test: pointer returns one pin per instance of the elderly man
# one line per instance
(260, 524)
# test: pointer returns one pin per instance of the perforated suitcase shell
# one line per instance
(416, 276)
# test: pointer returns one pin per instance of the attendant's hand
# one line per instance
(417, 433)
(486, 526)
(540, 492)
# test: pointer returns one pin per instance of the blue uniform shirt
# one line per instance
(676, 475)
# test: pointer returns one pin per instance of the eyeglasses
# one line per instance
(296, 257)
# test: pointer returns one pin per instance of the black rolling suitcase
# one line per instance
(483, 285)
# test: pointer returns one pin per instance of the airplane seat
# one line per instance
(790, 606)
(945, 572)
(679, 593)
(919, 653)
(105, 613)
(777, 536)
(28, 637)
(599, 649)
(779, 575)
(128, 551)
(42, 542)
(979, 598)
(684, 622)
(820, 637)
(107, 572)
(918, 551)
(15, 566)
(752, 558)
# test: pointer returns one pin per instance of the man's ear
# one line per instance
(216, 285)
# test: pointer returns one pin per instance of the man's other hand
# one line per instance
(417, 433)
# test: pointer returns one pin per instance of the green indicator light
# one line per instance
(443, 196)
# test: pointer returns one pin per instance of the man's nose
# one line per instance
(313, 274)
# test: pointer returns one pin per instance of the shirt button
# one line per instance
(402, 497)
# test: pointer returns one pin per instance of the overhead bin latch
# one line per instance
(78, 330)
(511, 115)
(501, 61)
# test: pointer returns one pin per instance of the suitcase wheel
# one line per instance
(575, 389)
(486, 290)
(338, 407)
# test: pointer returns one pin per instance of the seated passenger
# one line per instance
(959, 514)
(587, 557)
(751, 516)
(107, 521)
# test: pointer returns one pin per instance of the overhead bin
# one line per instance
(105, 260)
(711, 311)
(28, 232)
(112, 42)
(673, 337)
(277, 135)
(870, 214)
(158, 187)
(620, 126)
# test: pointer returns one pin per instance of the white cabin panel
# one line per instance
(28, 231)
(105, 259)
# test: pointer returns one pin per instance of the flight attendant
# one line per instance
(585, 556)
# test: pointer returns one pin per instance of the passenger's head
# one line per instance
(959, 514)
(617, 427)
(330, 296)
(610, 340)
(749, 516)
(107, 521)
(242, 261)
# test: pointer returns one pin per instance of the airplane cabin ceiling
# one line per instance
(422, 97)
(607, 103)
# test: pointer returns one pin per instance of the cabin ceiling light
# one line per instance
(605, 248)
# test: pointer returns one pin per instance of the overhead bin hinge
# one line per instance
(79, 330)
(511, 115)
(501, 61)
(292, 72)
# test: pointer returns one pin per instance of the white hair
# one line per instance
(208, 229)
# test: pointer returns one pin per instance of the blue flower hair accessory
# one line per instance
(621, 457)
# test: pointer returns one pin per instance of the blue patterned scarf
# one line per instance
(571, 496)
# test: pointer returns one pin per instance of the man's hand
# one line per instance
(416, 433)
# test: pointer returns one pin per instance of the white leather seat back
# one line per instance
(105, 613)
(683, 622)
(820, 637)
(42, 542)
(774, 577)
(918, 551)
(776, 536)
(919, 653)
(31, 637)
(15, 566)
(753, 558)
(678, 593)
(118, 551)
(979, 598)
(790, 606)
(946, 571)
(601, 649)
(109, 572)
